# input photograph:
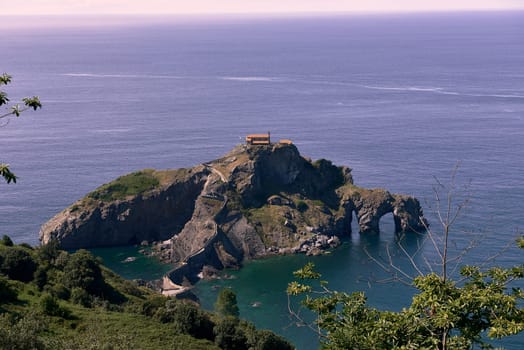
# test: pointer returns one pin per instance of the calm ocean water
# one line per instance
(400, 99)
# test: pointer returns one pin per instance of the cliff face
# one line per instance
(255, 201)
(151, 216)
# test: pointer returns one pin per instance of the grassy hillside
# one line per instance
(51, 299)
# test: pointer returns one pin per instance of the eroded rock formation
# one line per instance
(255, 201)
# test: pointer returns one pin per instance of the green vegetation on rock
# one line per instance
(302, 206)
(127, 185)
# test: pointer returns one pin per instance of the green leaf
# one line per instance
(307, 272)
(16, 110)
(5, 79)
(295, 288)
(520, 242)
(33, 102)
(6, 173)
(3, 98)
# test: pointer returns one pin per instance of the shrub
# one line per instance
(49, 252)
(49, 306)
(228, 335)
(7, 293)
(18, 264)
(40, 277)
(302, 206)
(130, 287)
(226, 304)
(267, 340)
(151, 305)
(81, 297)
(6, 240)
(263, 339)
(17, 333)
(188, 319)
(61, 260)
(82, 270)
(26, 246)
(60, 291)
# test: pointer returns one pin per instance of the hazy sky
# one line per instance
(32, 7)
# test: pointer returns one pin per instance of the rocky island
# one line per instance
(257, 200)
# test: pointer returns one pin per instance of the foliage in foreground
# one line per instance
(52, 299)
(459, 312)
(16, 110)
(462, 313)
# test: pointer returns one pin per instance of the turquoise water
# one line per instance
(137, 265)
(261, 285)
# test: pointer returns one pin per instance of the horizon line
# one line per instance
(91, 20)
(263, 13)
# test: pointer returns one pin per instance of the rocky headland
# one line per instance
(257, 200)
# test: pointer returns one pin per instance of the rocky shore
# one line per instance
(256, 201)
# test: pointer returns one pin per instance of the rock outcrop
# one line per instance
(253, 202)
(154, 215)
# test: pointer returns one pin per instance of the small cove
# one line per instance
(130, 263)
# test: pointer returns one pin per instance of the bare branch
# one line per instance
(301, 322)
(432, 239)
(428, 264)
(375, 260)
(411, 260)
(396, 268)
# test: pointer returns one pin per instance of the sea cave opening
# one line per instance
(387, 224)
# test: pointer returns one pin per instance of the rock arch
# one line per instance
(370, 206)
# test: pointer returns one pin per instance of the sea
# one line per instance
(415, 103)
